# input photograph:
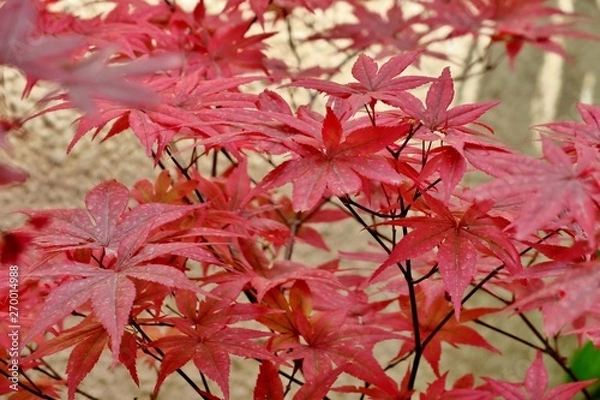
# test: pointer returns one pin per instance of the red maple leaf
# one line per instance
(11, 175)
(51, 57)
(268, 384)
(535, 385)
(433, 308)
(121, 255)
(218, 45)
(449, 164)
(334, 163)
(208, 340)
(435, 116)
(89, 338)
(374, 83)
(571, 293)
(396, 32)
(184, 101)
(164, 190)
(554, 189)
(586, 133)
(324, 339)
(458, 237)
(107, 225)
(514, 22)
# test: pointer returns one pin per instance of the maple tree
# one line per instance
(192, 268)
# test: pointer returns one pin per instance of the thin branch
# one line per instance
(366, 226)
(179, 371)
(290, 38)
(430, 273)
(450, 314)
(414, 310)
(374, 234)
(508, 334)
(368, 210)
(296, 223)
(184, 173)
(27, 388)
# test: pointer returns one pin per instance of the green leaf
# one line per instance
(585, 364)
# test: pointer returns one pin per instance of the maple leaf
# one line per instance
(284, 324)
(11, 175)
(318, 389)
(396, 32)
(458, 237)
(111, 291)
(107, 225)
(328, 338)
(433, 308)
(435, 116)
(374, 83)
(130, 27)
(123, 255)
(218, 45)
(184, 109)
(234, 53)
(536, 385)
(450, 165)
(586, 133)
(208, 340)
(571, 294)
(462, 389)
(164, 190)
(400, 393)
(514, 22)
(334, 165)
(89, 338)
(43, 57)
(556, 187)
(268, 384)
